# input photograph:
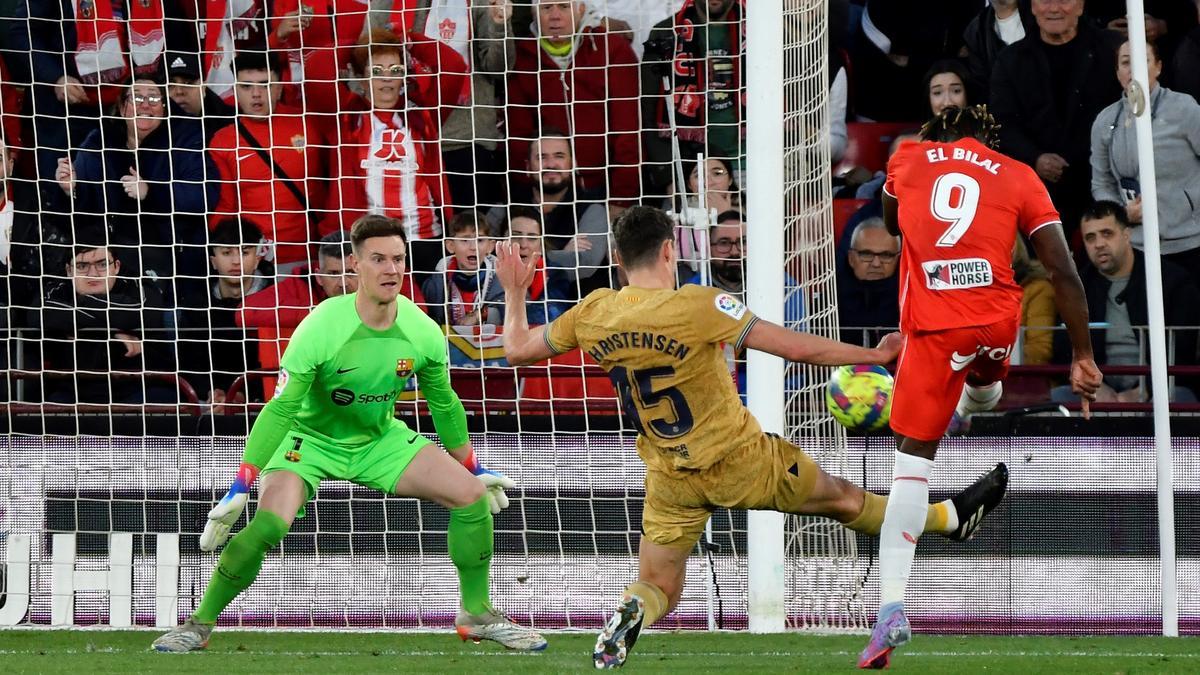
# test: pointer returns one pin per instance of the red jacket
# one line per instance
(328, 43)
(249, 186)
(595, 100)
(438, 80)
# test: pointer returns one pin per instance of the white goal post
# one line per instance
(803, 572)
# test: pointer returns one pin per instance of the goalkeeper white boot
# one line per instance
(619, 634)
(493, 625)
(188, 636)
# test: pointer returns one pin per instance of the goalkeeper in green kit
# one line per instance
(333, 417)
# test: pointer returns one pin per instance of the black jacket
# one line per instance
(984, 46)
(1179, 305)
(79, 333)
(1023, 101)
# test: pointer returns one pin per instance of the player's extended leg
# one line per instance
(436, 476)
(283, 493)
(661, 573)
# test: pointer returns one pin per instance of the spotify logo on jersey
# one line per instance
(342, 396)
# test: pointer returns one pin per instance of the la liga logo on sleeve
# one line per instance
(729, 305)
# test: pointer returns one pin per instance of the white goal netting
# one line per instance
(176, 186)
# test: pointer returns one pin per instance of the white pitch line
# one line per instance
(508, 654)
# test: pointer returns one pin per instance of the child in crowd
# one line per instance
(463, 290)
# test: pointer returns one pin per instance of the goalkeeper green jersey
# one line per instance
(339, 379)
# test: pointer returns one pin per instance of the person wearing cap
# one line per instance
(190, 97)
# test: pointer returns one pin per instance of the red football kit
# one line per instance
(961, 205)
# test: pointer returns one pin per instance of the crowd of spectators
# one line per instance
(179, 176)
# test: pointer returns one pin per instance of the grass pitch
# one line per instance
(96, 651)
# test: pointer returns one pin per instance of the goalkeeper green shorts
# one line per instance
(377, 466)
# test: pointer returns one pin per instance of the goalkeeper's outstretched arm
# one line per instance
(816, 350)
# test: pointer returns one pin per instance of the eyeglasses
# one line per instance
(395, 70)
(726, 245)
(139, 99)
(884, 257)
(100, 266)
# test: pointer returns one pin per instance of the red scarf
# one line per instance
(223, 20)
(463, 302)
(538, 286)
(105, 45)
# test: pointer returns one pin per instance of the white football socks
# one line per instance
(979, 399)
(903, 521)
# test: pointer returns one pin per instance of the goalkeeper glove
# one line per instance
(495, 482)
(227, 511)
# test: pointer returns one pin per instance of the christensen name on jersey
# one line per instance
(663, 350)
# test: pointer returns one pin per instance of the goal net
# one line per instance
(135, 358)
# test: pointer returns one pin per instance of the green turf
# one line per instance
(27, 651)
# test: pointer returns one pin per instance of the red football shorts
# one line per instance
(933, 369)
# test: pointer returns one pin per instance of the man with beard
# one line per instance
(575, 220)
(868, 288)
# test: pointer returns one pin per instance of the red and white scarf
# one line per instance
(464, 302)
(106, 44)
(225, 19)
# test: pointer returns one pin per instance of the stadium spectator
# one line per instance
(1038, 313)
(895, 43)
(707, 87)
(727, 271)
(317, 38)
(217, 30)
(1185, 76)
(272, 163)
(1046, 89)
(1167, 22)
(578, 76)
(464, 290)
(96, 322)
(946, 85)
(999, 24)
(474, 173)
(1115, 284)
(721, 194)
(634, 19)
(868, 287)
(388, 161)
(1176, 133)
(213, 349)
(187, 91)
(551, 292)
(147, 176)
(575, 220)
(31, 240)
(77, 67)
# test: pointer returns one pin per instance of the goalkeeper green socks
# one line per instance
(239, 564)
(469, 539)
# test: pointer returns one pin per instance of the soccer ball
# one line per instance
(860, 397)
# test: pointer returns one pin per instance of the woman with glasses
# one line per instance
(387, 159)
(147, 176)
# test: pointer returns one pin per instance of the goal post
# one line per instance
(764, 288)
(803, 572)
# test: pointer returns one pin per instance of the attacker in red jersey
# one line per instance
(958, 204)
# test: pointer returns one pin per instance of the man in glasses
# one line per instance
(727, 272)
(94, 324)
(868, 289)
